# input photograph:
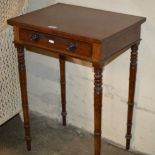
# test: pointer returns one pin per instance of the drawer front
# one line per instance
(54, 43)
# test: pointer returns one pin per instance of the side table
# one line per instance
(91, 35)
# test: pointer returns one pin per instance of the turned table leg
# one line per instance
(132, 83)
(63, 88)
(22, 78)
(97, 109)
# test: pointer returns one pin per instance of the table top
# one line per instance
(93, 24)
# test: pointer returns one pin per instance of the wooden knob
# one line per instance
(72, 47)
(34, 37)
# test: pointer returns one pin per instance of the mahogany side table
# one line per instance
(91, 35)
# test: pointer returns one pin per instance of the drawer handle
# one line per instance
(34, 37)
(71, 47)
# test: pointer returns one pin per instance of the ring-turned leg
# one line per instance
(132, 83)
(63, 88)
(97, 109)
(22, 78)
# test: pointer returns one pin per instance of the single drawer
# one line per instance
(55, 43)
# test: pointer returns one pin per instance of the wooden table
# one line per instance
(88, 34)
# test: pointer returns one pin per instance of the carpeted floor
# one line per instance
(49, 137)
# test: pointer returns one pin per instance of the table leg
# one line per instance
(97, 109)
(132, 83)
(22, 78)
(63, 88)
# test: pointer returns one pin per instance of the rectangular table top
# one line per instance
(92, 24)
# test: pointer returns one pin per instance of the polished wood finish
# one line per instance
(22, 78)
(76, 22)
(120, 41)
(63, 88)
(91, 35)
(132, 85)
(120, 31)
(59, 44)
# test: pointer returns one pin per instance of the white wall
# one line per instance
(44, 91)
